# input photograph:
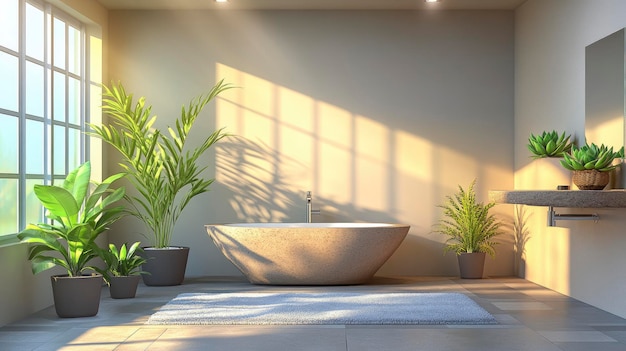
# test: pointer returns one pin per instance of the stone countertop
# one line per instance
(561, 198)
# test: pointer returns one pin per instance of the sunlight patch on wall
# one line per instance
(372, 148)
(610, 132)
(288, 142)
(548, 254)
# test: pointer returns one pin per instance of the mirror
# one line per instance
(605, 94)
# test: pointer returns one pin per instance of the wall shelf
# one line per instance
(562, 198)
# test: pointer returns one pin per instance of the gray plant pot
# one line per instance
(471, 265)
(124, 287)
(166, 266)
(76, 296)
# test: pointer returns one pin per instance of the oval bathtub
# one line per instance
(308, 253)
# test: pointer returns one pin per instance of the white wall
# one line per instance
(380, 114)
(582, 259)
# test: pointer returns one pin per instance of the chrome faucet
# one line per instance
(309, 208)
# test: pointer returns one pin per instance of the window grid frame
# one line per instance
(50, 175)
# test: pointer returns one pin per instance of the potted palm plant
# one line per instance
(123, 271)
(591, 165)
(164, 170)
(470, 229)
(77, 218)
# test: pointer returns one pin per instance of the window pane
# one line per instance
(34, 210)
(73, 50)
(34, 32)
(58, 151)
(9, 80)
(58, 44)
(58, 97)
(8, 206)
(34, 89)
(73, 152)
(73, 96)
(9, 16)
(34, 147)
(8, 144)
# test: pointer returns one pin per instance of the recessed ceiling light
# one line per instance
(221, 0)
(431, 0)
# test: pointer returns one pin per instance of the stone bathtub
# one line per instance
(308, 253)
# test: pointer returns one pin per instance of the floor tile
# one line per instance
(576, 336)
(519, 339)
(522, 306)
(251, 338)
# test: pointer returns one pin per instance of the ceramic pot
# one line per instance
(76, 296)
(124, 287)
(165, 266)
(471, 265)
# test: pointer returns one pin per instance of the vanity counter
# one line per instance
(561, 198)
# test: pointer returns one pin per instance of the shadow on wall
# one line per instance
(259, 192)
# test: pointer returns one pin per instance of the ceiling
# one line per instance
(312, 4)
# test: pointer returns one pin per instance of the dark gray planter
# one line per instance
(471, 265)
(166, 266)
(124, 287)
(76, 296)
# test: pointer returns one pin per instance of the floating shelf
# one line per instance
(562, 198)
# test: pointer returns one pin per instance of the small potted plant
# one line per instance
(591, 164)
(77, 218)
(549, 144)
(123, 269)
(164, 170)
(470, 229)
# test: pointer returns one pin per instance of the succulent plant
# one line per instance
(549, 144)
(588, 157)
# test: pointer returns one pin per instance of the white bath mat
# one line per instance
(321, 308)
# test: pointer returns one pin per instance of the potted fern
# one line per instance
(470, 229)
(77, 217)
(165, 172)
(591, 165)
(123, 269)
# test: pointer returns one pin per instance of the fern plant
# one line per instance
(160, 165)
(468, 224)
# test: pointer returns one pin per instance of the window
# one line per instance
(42, 105)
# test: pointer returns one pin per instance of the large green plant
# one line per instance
(468, 223)
(77, 217)
(165, 173)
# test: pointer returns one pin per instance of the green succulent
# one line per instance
(549, 144)
(589, 157)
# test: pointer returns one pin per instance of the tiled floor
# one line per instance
(530, 318)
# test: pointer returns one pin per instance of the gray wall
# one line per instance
(584, 260)
(380, 114)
